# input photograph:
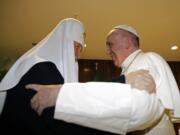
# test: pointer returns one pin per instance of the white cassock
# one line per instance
(166, 87)
(117, 107)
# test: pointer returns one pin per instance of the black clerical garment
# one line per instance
(18, 117)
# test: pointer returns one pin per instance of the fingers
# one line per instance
(36, 104)
(144, 76)
(142, 71)
(148, 80)
(40, 110)
(142, 80)
(146, 83)
(35, 87)
(45, 97)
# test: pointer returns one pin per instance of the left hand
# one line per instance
(142, 80)
(45, 97)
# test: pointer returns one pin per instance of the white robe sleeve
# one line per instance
(146, 110)
(111, 107)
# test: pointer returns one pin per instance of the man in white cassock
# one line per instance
(123, 43)
(119, 108)
(52, 61)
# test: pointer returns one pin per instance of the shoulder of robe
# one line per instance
(43, 73)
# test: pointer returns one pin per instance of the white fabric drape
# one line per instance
(56, 47)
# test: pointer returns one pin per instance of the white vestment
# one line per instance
(116, 107)
(166, 87)
(57, 47)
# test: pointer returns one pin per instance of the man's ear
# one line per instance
(128, 43)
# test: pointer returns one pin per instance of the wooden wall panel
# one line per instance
(107, 70)
(175, 67)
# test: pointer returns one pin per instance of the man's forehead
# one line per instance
(113, 33)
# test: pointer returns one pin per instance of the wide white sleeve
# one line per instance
(146, 110)
(111, 107)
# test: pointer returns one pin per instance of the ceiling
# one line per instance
(23, 22)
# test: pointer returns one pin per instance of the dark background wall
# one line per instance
(90, 69)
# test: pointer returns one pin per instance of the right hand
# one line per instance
(142, 80)
(45, 97)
